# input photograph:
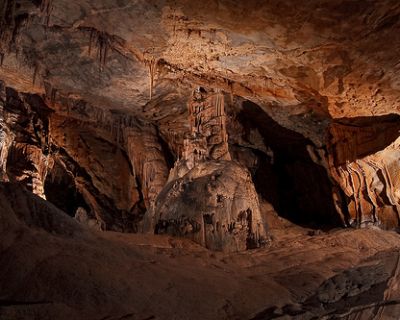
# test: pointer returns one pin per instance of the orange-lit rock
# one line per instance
(267, 125)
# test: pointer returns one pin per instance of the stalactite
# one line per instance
(13, 5)
(356, 200)
(53, 95)
(46, 8)
(91, 39)
(102, 41)
(359, 195)
(152, 65)
(4, 11)
(118, 131)
(364, 186)
(370, 194)
(7, 25)
(377, 169)
(389, 185)
(230, 86)
(6, 140)
(103, 44)
(35, 72)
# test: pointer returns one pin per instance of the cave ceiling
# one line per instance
(304, 63)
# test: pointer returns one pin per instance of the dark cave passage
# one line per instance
(298, 188)
(60, 190)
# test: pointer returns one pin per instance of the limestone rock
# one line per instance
(82, 217)
(208, 198)
(214, 204)
(6, 139)
(311, 67)
(147, 158)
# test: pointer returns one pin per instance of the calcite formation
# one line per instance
(95, 94)
(215, 204)
(209, 198)
(6, 138)
(371, 186)
(364, 176)
(138, 136)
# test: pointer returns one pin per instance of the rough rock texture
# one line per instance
(6, 139)
(202, 119)
(215, 204)
(324, 70)
(207, 120)
(366, 175)
(147, 156)
(80, 156)
(54, 268)
(208, 198)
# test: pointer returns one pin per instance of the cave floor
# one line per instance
(53, 268)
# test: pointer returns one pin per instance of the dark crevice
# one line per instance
(60, 190)
(298, 188)
(10, 303)
(121, 219)
(168, 155)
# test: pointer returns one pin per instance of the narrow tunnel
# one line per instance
(298, 188)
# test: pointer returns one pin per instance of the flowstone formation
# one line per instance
(209, 198)
(367, 176)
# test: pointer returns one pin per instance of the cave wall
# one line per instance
(105, 165)
(113, 165)
(101, 89)
(363, 160)
(285, 175)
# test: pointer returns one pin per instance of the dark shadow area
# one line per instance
(298, 188)
(60, 190)
(170, 158)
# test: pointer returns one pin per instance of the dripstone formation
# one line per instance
(215, 204)
(208, 197)
(159, 137)
(94, 106)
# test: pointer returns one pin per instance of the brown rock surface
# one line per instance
(315, 68)
(215, 204)
(54, 268)
(208, 198)
(205, 120)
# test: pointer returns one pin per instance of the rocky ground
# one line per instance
(54, 268)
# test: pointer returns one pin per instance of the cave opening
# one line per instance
(298, 188)
(60, 190)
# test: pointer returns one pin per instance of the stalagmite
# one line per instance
(6, 139)
(209, 198)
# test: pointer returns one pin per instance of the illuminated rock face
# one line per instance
(362, 161)
(208, 138)
(114, 85)
(215, 204)
(209, 198)
(6, 138)
(199, 120)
